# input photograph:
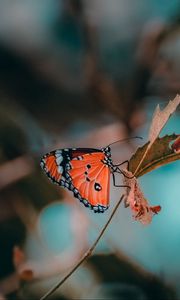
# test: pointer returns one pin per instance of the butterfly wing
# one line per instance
(51, 163)
(90, 179)
(82, 171)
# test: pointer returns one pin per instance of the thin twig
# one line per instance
(85, 256)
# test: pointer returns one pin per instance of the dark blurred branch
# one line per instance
(123, 257)
(115, 270)
(9, 284)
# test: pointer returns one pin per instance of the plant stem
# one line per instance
(85, 256)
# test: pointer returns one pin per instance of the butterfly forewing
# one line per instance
(82, 171)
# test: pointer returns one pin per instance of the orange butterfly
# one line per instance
(85, 172)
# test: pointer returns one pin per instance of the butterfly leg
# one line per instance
(114, 183)
(120, 171)
(124, 162)
(129, 177)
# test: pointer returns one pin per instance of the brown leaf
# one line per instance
(141, 210)
(161, 117)
(159, 154)
(158, 122)
(176, 145)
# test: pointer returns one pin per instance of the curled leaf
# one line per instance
(163, 151)
(141, 210)
(159, 120)
(161, 117)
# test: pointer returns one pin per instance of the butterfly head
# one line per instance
(107, 151)
(107, 159)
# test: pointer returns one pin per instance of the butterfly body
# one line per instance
(84, 171)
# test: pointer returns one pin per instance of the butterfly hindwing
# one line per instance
(82, 171)
(51, 167)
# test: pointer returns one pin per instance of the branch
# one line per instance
(14, 170)
(85, 256)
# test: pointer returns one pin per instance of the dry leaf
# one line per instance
(161, 117)
(161, 152)
(148, 157)
(141, 210)
(159, 120)
(176, 145)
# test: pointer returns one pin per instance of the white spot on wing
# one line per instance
(42, 164)
(95, 208)
(58, 151)
(79, 158)
(60, 169)
(59, 159)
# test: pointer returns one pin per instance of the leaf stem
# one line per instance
(142, 159)
(85, 256)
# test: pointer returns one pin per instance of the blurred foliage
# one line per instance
(66, 66)
(112, 269)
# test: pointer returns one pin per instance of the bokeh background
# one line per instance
(85, 73)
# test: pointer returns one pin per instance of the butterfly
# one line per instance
(84, 171)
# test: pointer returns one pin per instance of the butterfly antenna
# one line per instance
(127, 139)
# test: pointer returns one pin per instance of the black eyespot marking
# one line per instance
(87, 179)
(88, 166)
(85, 173)
(97, 187)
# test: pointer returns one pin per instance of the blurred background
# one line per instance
(79, 73)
